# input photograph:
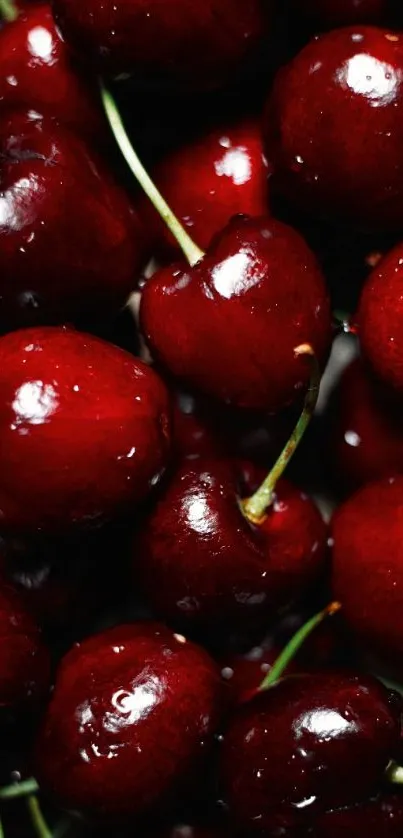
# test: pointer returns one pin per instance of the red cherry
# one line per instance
(341, 94)
(310, 743)
(330, 14)
(203, 563)
(187, 44)
(211, 179)
(368, 567)
(378, 818)
(380, 319)
(71, 244)
(37, 72)
(365, 439)
(239, 314)
(83, 430)
(133, 714)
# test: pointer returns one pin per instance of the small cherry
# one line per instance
(367, 531)
(84, 430)
(133, 715)
(341, 94)
(330, 14)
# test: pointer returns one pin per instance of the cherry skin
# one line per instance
(84, 430)
(207, 181)
(133, 715)
(204, 564)
(378, 818)
(261, 293)
(380, 319)
(330, 14)
(368, 567)
(193, 45)
(37, 72)
(310, 743)
(340, 94)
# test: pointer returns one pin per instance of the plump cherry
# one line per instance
(365, 438)
(71, 244)
(380, 319)
(368, 567)
(310, 743)
(339, 95)
(329, 14)
(381, 817)
(84, 430)
(188, 44)
(209, 180)
(203, 563)
(262, 294)
(37, 72)
(133, 714)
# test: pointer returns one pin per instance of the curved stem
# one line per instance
(190, 250)
(8, 10)
(38, 821)
(255, 507)
(394, 774)
(19, 789)
(295, 644)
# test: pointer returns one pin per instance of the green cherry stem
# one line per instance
(19, 789)
(2, 833)
(294, 645)
(38, 821)
(8, 10)
(394, 774)
(190, 250)
(256, 506)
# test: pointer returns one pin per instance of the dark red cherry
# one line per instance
(329, 14)
(132, 715)
(365, 435)
(211, 179)
(37, 72)
(341, 94)
(367, 532)
(186, 43)
(83, 430)
(239, 314)
(310, 743)
(203, 563)
(378, 818)
(380, 319)
(71, 244)
(24, 659)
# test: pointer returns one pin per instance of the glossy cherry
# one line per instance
(330, 14)
(84, 430)
(381, 817)
(308, 744)
(203, 563)
(37, 72)
(207, 181)
(341, 94)
(188, 44)
(380, 319)
(367, 532)
(239, 314)
(133, 715)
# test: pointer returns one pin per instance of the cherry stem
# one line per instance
(22, 789)
(191, 251)
(394, 774)
(256, 506)
(8, 10)
(2, 833)
(294, 645)
(38, 821)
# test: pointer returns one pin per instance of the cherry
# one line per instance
(244, 673)
(261, 293)
(190, 44)
(132, 715)
(203, 563)
(368, 567)
(329, 14)
(36, 71)
(381, 817)
(310, 743)
(380, 318)
(209, 180)
(365, 439)
(71, 243)
(83, 428)
(341, 94)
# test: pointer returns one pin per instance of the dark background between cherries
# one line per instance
(86, 553)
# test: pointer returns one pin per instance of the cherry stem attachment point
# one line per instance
(191, 251)
(22, 789)
(394, 774)
(38, 821)
(256, 506)
(294, 645)
(8, 10)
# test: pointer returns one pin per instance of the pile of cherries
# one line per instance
(192, 644)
